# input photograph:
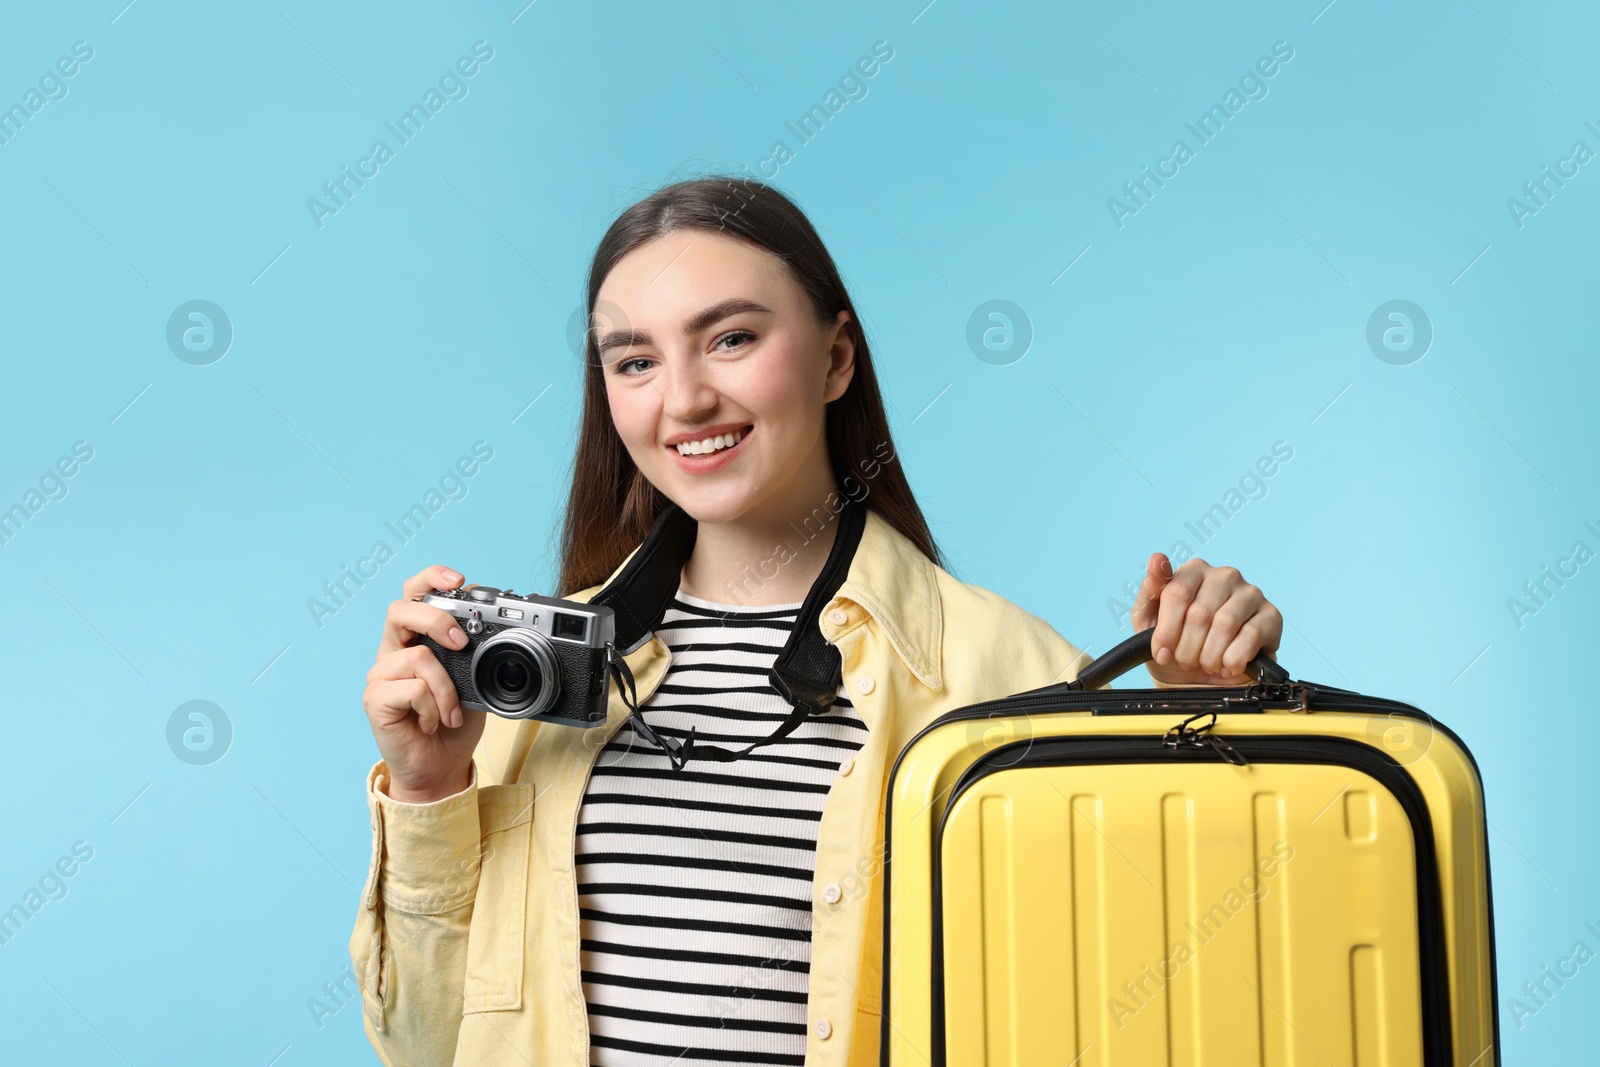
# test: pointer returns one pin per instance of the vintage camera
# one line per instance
(527, 657)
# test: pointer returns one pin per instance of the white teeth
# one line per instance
(709, 444)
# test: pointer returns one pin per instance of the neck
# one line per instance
(771, 558)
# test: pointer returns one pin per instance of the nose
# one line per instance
(687, 392)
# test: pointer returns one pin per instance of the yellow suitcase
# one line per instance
(1282, 873)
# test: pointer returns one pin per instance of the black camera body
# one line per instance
(527, 657)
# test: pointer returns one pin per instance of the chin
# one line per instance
(721, 505)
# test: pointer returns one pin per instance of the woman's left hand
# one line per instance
(1209, 622)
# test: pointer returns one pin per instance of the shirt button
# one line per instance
(838, 617)
(824, 1029)
(865, 685)
(831, 892)
(847, 766)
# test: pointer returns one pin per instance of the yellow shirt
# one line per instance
(466, 944)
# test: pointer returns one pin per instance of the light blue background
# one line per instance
(1228, 314)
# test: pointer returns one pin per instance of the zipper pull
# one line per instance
(1225, 750)
(1185, 736)
(1296, 695)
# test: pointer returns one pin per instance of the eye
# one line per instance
(731, 335)
(622, 365)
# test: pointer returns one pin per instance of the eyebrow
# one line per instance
(715, 313)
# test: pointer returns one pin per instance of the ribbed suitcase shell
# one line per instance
(1063, 888)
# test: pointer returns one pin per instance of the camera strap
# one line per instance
(806, 672)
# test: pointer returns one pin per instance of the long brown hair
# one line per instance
(611, 505)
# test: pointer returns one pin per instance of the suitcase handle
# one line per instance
(1135, 651)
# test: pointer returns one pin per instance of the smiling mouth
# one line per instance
(709, 446)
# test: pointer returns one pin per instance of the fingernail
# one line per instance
(451, 576)
(456, 636)
(455, 718)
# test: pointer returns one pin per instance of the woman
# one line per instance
(552, 895)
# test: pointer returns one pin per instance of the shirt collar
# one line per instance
(898, 586)
(894, 583)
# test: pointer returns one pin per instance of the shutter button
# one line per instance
(865, 685)
(831, 893)
(837, 617)
(824, 1029)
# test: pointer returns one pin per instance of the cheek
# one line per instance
(783, 386)
(765, 394)
(634, 424)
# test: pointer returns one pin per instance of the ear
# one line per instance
(841, 357)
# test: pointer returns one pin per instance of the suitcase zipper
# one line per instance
(1251, 699)
(1297, 695)
(1185, 743)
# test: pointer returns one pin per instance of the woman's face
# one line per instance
(706, 340)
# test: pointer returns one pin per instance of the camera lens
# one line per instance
(511, 676)
(508, 679)
(516, 674)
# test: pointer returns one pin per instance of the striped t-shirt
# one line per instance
(694, 886)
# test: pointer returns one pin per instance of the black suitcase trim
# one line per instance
(1245, 699)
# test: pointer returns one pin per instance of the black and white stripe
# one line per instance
(695, 885)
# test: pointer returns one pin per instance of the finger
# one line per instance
(1258, 633)
(390, 702)
(429, 579)
(1242, 603)
(1176, 596)
(1216, 586)
(418, 661)
(409, 618)
(1158, 571)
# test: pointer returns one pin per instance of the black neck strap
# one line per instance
(806, 672)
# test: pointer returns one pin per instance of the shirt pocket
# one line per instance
(497, 937)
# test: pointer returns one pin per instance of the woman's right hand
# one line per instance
(424, 735)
